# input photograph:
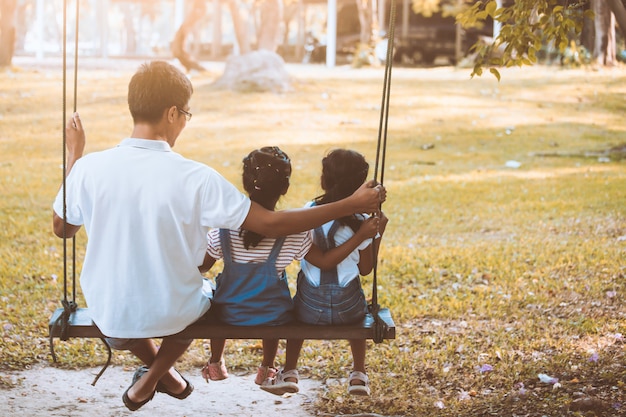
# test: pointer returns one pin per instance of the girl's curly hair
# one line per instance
(266, 174)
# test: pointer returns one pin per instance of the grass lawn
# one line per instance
(503, 262)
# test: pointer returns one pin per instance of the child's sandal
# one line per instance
(358, 384)
(280, 384)
(215, 371)
(264, 373)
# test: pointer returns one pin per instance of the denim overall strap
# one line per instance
(273, 256)
(227, 254)
(227, 251)
(327, 276)
(225, 242)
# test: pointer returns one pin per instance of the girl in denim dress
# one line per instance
(252, 288)
(334, 295)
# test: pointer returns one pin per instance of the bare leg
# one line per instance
(287, 380)
(160, 362)
(358, 347)
(215, 368)
(217, 350)
(270, 347)
(358, 381)
(293, 353)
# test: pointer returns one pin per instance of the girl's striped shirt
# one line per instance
(295, 247)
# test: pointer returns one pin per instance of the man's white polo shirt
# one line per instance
(146, 211)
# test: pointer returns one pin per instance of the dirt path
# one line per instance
(47, 391)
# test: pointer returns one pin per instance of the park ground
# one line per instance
(503, 262)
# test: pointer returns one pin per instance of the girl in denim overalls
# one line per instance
(252, 288)
(334, 296)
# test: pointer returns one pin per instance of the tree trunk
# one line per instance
(587, 34)
(618, 9)
(7, 31)
(241, 32)
(290, 13)
(22, 24)
(271, 15)
(365, 19)
(604, 47)
(193, 16)
(216, 43)
(263, 69)
(129, 27)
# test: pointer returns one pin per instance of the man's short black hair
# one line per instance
(155, 87)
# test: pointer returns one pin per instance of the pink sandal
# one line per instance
(215, 371)
(264, 373)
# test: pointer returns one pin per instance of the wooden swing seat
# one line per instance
(80, 325)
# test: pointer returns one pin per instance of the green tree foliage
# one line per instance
(526, 25)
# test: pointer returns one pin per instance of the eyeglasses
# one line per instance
(186, 113)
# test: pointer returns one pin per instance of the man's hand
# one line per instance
(74, 139)
(369, 197)
(75, 142)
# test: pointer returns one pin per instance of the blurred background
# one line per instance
(307, 31)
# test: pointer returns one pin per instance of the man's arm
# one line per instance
(366, 199)
(75, 141)
(57, 226)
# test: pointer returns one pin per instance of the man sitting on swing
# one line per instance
(146, 212)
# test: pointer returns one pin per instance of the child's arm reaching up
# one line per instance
(332, 257)
(367, 255)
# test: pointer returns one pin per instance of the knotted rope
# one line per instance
(380, 327)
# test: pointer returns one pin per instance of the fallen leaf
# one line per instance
(547, 379)
(486, 368)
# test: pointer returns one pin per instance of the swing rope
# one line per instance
(380, 327)
(69, 305)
